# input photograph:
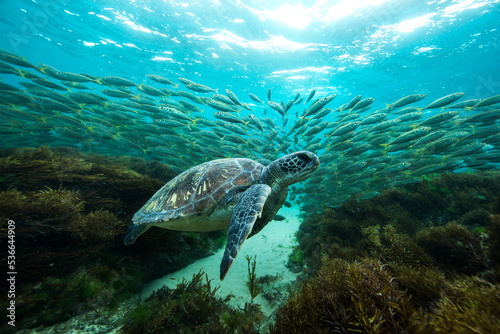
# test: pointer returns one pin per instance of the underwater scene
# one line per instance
(236, 166)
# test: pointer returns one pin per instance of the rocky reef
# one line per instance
(418, 259)
(70, 212)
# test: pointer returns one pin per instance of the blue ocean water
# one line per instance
(385, 49)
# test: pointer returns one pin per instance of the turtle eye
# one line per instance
(305, 157)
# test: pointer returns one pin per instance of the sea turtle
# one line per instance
(238, 193)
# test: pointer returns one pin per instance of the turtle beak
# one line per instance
(315, 163)
(310, 162)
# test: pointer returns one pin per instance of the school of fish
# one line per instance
(362, 151)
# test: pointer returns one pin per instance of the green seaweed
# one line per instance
(220, 242)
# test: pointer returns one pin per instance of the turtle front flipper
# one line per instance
(245, 213)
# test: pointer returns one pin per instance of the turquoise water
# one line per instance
(376, 50)
(385, 49)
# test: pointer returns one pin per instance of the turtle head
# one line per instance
(293, 167)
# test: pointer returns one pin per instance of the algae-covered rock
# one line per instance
(438, 243)
(71, 211)
(453, 247)
(467, 198)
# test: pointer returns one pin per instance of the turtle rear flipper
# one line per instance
(134, 231)
(245, 213)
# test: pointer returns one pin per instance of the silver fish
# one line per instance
(233, 97)
(255, 98)
(487, 102)
(311, 95)
(443, 101)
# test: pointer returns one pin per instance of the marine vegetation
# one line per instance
(192, 307)
(71, 211)
(367, 297)
(273, 289)
(99, 288)
(395, 248)
(425, 285)
(472, 307)
(453, 247)
(254, 286)
(494, 242)
(435, 244)
(347, 298)
(338, 233)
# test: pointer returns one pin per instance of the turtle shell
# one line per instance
(198, 191)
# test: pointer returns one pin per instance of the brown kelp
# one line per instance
(453, 247)
(254, 286)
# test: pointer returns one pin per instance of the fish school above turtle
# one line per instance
(239, 193)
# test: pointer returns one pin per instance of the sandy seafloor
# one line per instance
(272, 246)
